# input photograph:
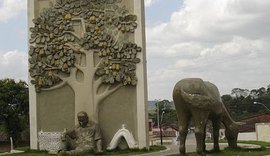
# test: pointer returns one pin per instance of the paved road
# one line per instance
(174, 149)
(190, 147)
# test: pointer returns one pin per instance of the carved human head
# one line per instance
(82, 118)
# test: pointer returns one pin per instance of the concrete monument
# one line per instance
(87, 55)
(201, 101)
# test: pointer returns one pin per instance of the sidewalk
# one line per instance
(191, 147)
(171, 149)
(174, 149)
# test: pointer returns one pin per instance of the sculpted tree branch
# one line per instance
(99, 63)
(77, 48)
(97, 84)
(80, 67)
(108, 91)
(62, 84)
(73, 34)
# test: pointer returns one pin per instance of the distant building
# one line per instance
(166, 132)
(249, 125)
(155, 132)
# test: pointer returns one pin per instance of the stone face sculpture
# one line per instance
(85, 137)
(201, 101)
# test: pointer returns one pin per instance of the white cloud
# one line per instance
(11, 8)
(225, 41)
(147, 3)
(13, 64)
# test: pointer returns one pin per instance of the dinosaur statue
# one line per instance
(200, 100)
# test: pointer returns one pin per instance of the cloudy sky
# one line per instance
(226, 42)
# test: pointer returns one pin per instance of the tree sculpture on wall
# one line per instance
(86, 44)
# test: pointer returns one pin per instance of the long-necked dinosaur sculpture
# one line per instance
(200, 100)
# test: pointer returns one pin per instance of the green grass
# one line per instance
(32, 153)
(227, 152)
(240, 151)
(262, 143)
(25, 148)
(233, 153)
(127, 152)
(237, 152)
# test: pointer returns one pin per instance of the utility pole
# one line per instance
(160, 129)
(159, 120)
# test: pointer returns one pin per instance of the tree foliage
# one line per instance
(167, 114)
(14, 107)
(105, 27)
(240, 102)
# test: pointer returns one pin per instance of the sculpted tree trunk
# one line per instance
(86, 88)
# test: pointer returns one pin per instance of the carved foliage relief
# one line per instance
(56, 47)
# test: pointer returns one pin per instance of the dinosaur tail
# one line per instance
(197, 100)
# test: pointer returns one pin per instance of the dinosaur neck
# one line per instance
(227, 119)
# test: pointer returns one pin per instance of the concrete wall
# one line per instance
(247, 136)
(263, 131)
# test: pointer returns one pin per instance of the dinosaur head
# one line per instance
(231, 134)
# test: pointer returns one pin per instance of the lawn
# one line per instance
(227, 152)
(29, 152)
(239, 152)
(265, 150)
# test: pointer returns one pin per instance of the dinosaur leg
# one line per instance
(216, 127)
(204, 146)
(200, 119)
(183, 131)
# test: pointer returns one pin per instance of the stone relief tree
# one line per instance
(86, 44)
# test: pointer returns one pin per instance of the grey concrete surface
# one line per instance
(191, 147)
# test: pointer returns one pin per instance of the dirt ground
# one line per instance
(5, 146)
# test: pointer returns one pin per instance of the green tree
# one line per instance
(240, 102)
(268, 90)
(238, 92)
(167, 114)
(170, 119)
(14, 107)
(261, 91)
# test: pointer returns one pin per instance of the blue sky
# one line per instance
(161, 10)
(14, 33)
(226, 42)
